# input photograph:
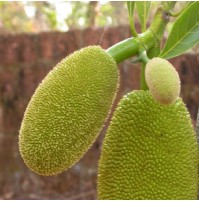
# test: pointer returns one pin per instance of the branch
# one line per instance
(150, 38)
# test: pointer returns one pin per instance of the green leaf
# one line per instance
(184, 34)
(131, 5)
(143, 12)
(188, 3)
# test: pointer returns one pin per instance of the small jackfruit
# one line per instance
(163, 80)
(67, 110)
(149, 152)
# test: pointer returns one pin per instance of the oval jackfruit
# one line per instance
(67, 111)
(149, 152)
(163, 80)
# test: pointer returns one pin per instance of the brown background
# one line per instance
(24, 61)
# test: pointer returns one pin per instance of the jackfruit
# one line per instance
(163, 80)
(67, 110)
(149, 152)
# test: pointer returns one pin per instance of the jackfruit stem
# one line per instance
(143, 57)
(154, 51)
(131, 46)
(124, 49)
(143, 84)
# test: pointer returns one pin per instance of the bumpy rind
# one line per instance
(163, 80)
(149, 152)
(67, 111)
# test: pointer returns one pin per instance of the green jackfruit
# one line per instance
(149, 152)
(67, 111)
(163, 80)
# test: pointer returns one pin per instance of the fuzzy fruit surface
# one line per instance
(149, 152)
(163, 80)
(67, 111)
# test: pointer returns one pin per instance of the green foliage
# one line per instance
(12, 17)
(184, 34)
(131, 5)
(51, 15)
(76, 14)
(143, 8)
(35, 16)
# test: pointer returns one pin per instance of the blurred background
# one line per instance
(34, 36)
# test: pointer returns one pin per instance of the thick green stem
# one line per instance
(168, 5)
(154, 51)
(143, 84)
(172, 14)
(144, 59)
(130, 47)
(124, 49)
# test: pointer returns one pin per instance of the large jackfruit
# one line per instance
(67, 110)
(149, 152)
(163, 80)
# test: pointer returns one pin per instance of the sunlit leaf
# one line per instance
(184, 34)
(143, 12)
(131, 5)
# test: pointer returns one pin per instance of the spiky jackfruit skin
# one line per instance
(67, 111)
(163, 80)
(149, 152)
